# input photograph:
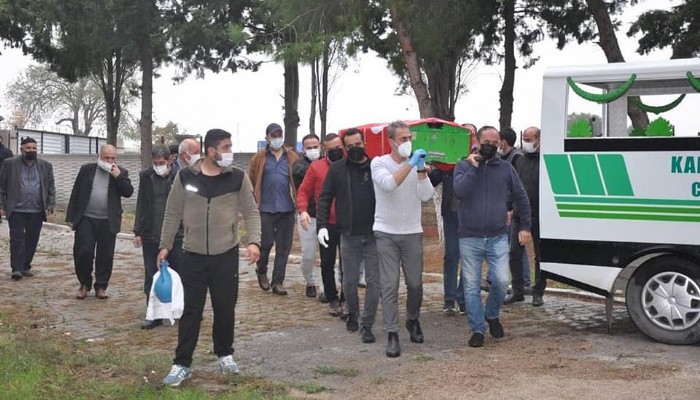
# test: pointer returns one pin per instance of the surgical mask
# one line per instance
(487, 151)
(226, 160)
(313, 154)
(335, 154)
(356, 154)
(276, 143)
(194, 158)
(404, 149)
(161, 170)
(529, 147)
(104, 165)
(30, 155)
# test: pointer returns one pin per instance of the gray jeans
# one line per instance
(396, 252)
(354, 250)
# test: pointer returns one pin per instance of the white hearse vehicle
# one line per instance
(623, 205)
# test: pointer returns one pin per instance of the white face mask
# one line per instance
(104, 165)
(194, 158)
(529, 147)
(226, 160)
(404, 149)
(276, 143)
(161, 170)
(313, 154)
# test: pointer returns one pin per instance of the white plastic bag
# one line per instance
(170, 311)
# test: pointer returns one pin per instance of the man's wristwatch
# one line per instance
(421, 170)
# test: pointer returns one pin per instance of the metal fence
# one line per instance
(54, 142)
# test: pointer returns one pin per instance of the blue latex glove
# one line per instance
(418, 158)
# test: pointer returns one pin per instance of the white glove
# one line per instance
(323, 237)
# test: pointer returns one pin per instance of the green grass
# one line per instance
(329, 370)
(313, 388)
(42, 366)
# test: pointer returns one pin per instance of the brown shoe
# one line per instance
(278, 289)
(263, 282)
(101, 294)
(82, 293)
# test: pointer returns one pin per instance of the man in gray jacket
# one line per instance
(27, 195)
(207, 198)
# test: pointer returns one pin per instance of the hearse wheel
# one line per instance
(663, 299)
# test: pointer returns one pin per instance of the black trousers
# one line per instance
(277, 229)
(93, 241)
(25, 229)
(219, 274)
(328, 256)
(516, 260)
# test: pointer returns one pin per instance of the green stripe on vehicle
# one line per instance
(617, 180)
(587, 174)
(628, 208)
(560, 175)
(628, 200)
(640, 217)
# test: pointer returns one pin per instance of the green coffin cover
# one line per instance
(444, 143)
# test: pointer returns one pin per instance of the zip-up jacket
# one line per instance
(528, 169)
(299, 170)
(483, 193)
(311, 187)
(210, 220)
(257, 168)
(336, 188)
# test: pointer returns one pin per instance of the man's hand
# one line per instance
(323, 237)
(417, 158)
(115, 171)
(49, 211)
(474, 160)
(137, 241)
(304, 220)
(524, 237)
(162, 255)
(509, 218)
(252, 253)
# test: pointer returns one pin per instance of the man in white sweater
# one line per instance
(400, 184)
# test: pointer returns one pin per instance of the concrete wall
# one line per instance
(66, 167)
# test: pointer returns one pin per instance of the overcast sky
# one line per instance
(245, 102)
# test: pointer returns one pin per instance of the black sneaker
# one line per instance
(477, 340)
(16, 275)
(462, 309)
(393, 348)
(449, 307)
(495, 328)
(322, 298)
(513, 298)
(351, 324)
(311, 291)
(151, 324)
(27, 273)
(367, 336)
(537, 300)
(414, 330)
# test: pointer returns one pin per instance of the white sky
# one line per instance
(245, 102)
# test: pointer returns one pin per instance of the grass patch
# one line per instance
(424, 358)
(325, 370)
(329, 370)
(380, 380)
(313, 388)
(59, 217)
(41, 365)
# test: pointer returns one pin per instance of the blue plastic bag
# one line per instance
(163, 286)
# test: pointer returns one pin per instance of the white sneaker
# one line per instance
(177, 375)
(227, 365)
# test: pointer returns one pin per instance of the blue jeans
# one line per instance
(454, 292)
(474, 250)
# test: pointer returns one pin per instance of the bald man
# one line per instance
(95, 214)
(188, 153)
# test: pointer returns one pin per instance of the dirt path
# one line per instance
(558, 351)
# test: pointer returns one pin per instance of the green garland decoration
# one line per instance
(604, 97)
(694, 82)
(657, 109)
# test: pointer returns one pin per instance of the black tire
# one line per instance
(664, 331)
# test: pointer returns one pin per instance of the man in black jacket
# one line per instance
(528, 169)
(27, 195)
(349, 183)
(95, 214)
(154, 186)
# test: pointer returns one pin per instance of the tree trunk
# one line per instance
(323, 106)
(291, 103)
(146, 123)
(506, 93)
(425, 105)
(608, 43)
(314, 85)
(441, 85)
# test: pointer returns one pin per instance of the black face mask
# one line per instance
(487, 151)
(356, 154)
(30, 155)
(335, 154)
